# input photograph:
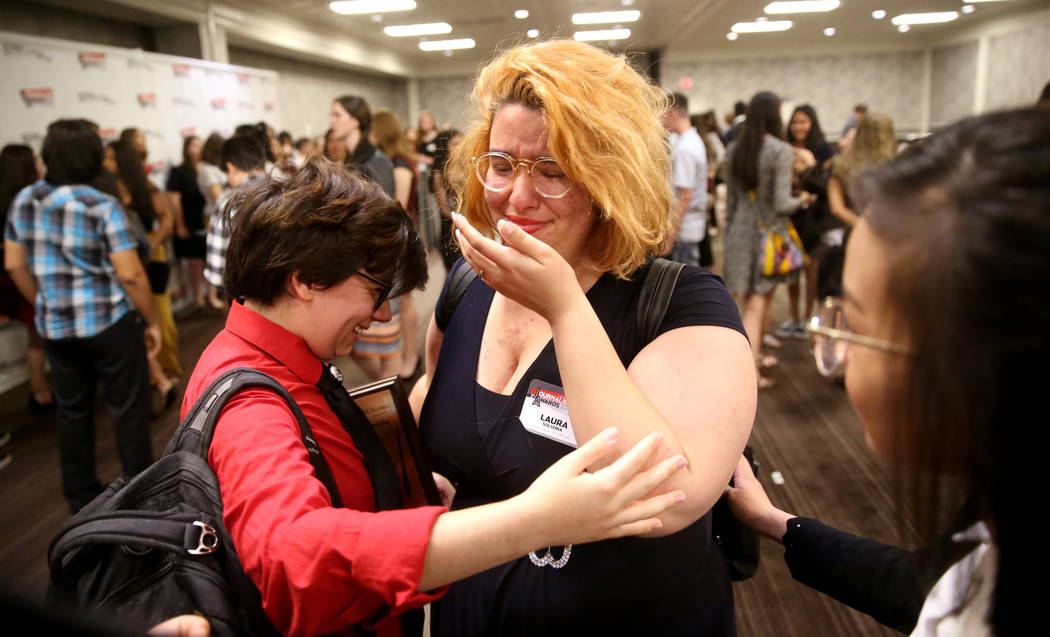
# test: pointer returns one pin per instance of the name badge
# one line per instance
(545, 413)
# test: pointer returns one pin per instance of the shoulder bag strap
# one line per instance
(655, 297)
(457, 287)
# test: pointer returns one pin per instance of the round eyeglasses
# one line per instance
(496, 172)
(831, 336)
(384, 289)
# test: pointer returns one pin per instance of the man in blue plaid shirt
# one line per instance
(71, 249)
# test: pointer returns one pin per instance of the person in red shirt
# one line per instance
(312, 261)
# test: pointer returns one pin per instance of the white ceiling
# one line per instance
(678, 27)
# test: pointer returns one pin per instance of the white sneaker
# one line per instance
(788, 329)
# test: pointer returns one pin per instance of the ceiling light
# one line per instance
(761, 27)
(376, 17)
(533, 33)
(967, 8)
(606, 17)
(627, 3)
(409, 30)
(607, 34)
(445, 45)
(829, 31)
(985, 0)
(357, 7)
(732, 36)
(521, 14)
(801, 6)
(925, 18)
(903, 28)
(878, 14)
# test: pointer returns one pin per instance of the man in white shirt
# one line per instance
(689, 178)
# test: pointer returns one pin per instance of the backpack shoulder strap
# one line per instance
(195, 432)
(457, 287)
(655, 297)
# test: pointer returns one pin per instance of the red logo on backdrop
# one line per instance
(189, 131)
(157, 166)
(269, 106)
(181, 70)
(218, 103)
(686, 83)
(147, 99)
(244, 78)
(89, 59)
(107, 134)
(44, 96)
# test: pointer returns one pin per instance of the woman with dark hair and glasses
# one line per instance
(941, 332)
(314, 260)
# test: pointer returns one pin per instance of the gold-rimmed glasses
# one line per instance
(496, 172)
(831, 334)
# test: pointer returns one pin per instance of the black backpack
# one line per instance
(154, 546)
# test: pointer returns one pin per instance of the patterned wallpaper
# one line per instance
(448, 98)
(951, 93)
(1018, 67)
(305, 90)
(887, 82)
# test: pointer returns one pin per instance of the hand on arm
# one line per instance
(565, 505)
(750, 504)
(175, 204)
(132, 276)
(703, 405)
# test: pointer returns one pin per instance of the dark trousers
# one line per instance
(117, 357)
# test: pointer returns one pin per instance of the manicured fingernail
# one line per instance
(679, 497)
(681, 462)
(505, 228)
(459, 235)
(611, 434)
(657, 524)
(659, 437)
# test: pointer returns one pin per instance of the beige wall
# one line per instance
(952, 83)
(305, 90)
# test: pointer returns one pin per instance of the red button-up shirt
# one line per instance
(320, 569)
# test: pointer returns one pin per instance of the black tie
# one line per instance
(381, 470)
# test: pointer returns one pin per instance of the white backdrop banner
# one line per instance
(165, 96)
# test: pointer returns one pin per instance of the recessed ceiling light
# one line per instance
(829, 31)
(448, 53)
(732, 36)
(761, 27)
(533, 33)
(986, 0)
(376, 17)
(762, 19)
(409, 30)
(445, 45)
(801, 6)
(606, 17)
(878, 14)
(627, 3)
(967, 8)
(358, 7)
(933, 17)
(521, 14)
(606, 34)
(903, 28)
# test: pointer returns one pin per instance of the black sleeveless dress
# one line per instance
(676, 585)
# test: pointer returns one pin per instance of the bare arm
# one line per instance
(431, 350)
(175, 205)
(565, 505)
(402, 185)
(685, 196)
(783, 202)
(837, 202)
(165, 220)
(133, 278)
(17, 267)
(703, 403)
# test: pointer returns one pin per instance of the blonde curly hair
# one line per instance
(604, 129)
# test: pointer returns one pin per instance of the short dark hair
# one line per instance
(357, 107)
(72, 152)
(302, 141)
(739, 108)
(861, 108)
(285, 137)
(963, 217)
(324, 223)
(1044, 97)
(244, 152)
(258, 131)
(680, 103)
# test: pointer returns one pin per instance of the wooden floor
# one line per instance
(805, 430)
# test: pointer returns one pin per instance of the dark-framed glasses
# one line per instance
(384, 288)
(831, 335)
(496, 172)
